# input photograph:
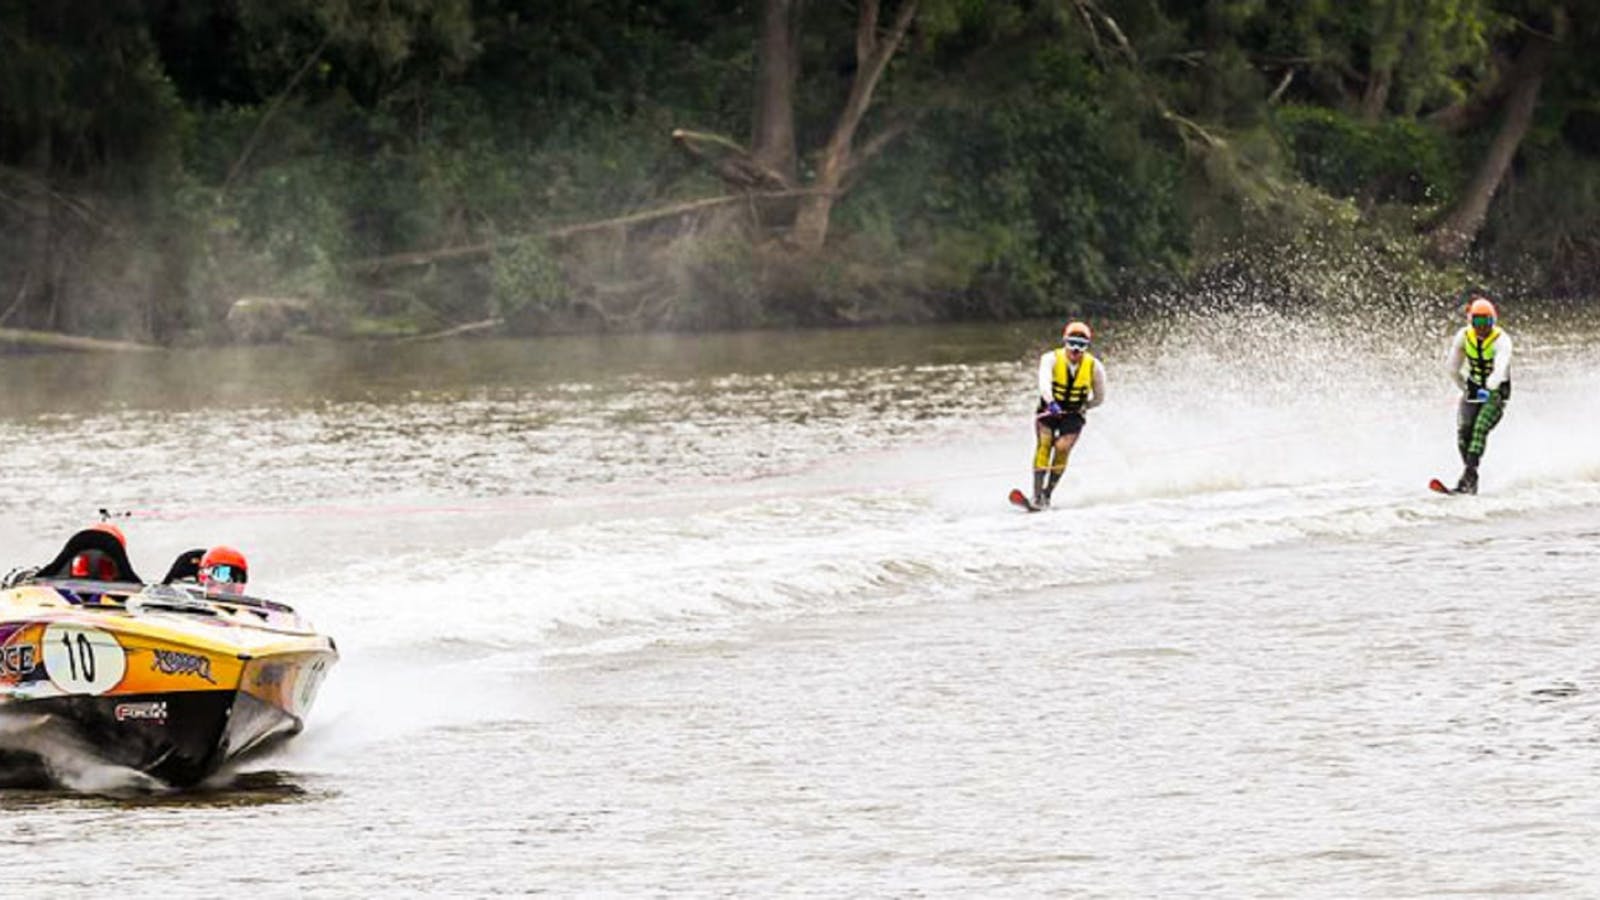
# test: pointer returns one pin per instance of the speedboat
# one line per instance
(170, 679)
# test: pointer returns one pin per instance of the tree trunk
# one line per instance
(872, 58)
(1376, 97)
(1387, 30)
(1457, 230)
(41, 243)
(1473, 110)
(778, 67)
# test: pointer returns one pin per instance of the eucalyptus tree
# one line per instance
(806, 51)
(1535, 40)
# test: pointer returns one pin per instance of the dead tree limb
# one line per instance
(457, 331)
(1283, 85)
(484, 248)
(23, 339)
(272, 110)
(731, 162)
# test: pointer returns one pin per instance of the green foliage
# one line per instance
(1054, 191)
(716, 282)
(83, 92)
(1429, 52)
(1432, 44)
(1545, 231)
(1394, 160)
(159, 160)
(525, 281)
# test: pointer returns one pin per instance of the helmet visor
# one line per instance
(225, 574)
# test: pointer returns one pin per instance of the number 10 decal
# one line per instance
(83, 660)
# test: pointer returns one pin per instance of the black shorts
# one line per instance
(1066, 423)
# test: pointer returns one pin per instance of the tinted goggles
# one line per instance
(1482, 321)
(225, 574)
(1077, 343)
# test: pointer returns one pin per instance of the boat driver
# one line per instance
(223, 570)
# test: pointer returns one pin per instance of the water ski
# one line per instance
(1019, 499)
(1439, 487)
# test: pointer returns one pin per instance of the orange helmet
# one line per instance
(1482, 307)
(112, 530)
(224, 569)
(93, 564)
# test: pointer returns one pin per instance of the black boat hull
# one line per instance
(180, 738)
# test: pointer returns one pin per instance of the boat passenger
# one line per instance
(93, 558)
(1479, 362)
(1071, 382)
(223, 570)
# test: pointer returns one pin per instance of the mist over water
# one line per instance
(760, 595)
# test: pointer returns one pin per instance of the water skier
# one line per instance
(1479, 362)
(1071, 382)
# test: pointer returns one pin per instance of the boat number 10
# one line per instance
(81, 659)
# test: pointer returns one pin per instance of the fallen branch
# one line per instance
(484, 248)
(457, 331)
(732, 163)
(22, 339)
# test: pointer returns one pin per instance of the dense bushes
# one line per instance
(1050, 198)
(1393, 160)
(1544, 233)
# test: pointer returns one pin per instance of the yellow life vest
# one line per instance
(1480, 355)
(1073, 394)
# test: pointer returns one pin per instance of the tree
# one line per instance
(878, 35)
(1455, 232)
(841, 155)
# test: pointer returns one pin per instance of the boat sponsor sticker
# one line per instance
(174, 662)
(145, 711)
(269, 675)
(310, 680)
(18, 659)
(82, 659)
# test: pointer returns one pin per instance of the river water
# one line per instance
(749, 614)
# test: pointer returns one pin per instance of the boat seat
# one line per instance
(83, 542)
(186, 567)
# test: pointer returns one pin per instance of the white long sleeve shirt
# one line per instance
(1456, 360)
(1047, 371)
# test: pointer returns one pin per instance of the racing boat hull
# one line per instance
(159, 681)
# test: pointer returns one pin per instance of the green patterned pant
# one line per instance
(1474, 421)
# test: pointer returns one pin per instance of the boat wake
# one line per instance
(36, 753)
(1265, 454)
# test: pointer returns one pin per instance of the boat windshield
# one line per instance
(179, 595)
